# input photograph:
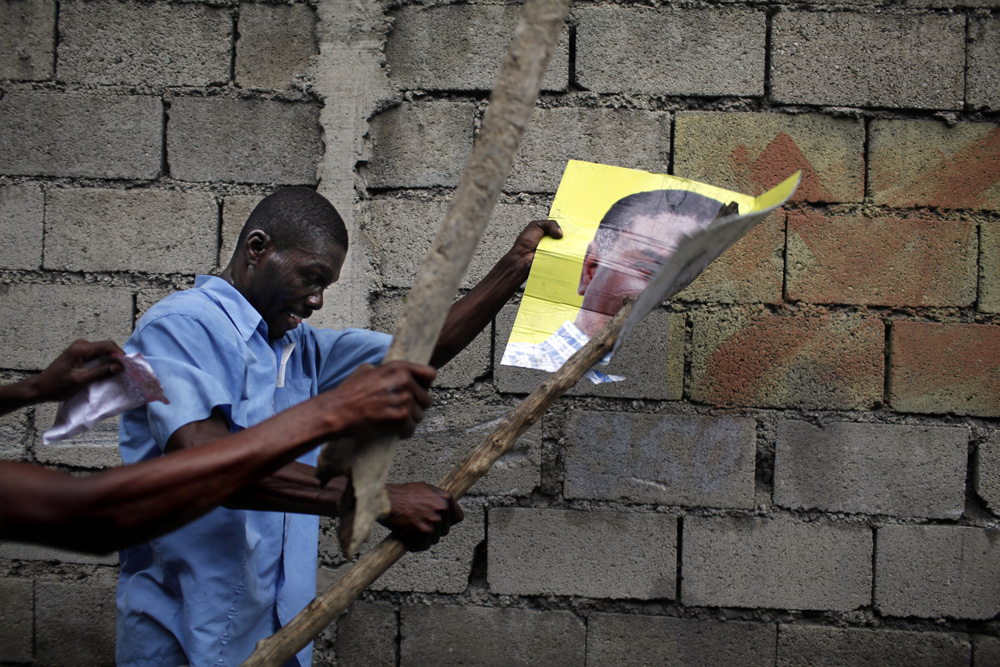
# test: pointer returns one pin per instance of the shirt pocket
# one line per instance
(294, 392)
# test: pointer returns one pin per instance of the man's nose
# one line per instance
(315, 300)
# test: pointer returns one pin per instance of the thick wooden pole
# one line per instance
(437, 282)
(322, 611)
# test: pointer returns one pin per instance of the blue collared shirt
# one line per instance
(206, 593)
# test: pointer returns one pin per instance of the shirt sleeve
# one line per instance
(342, 351)
(197, 369)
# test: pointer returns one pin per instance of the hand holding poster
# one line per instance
(623, 229)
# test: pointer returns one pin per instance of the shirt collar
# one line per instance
(244, 316)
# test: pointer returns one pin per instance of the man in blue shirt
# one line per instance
(231, 352)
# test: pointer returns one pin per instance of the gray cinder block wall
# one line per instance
(809, 474)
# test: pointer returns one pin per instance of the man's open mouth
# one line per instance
(294, 319)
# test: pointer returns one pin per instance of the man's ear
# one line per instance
(258, 245)
(591, 260)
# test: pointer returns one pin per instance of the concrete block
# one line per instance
(437, 635)
(22, 210)
(830, 362)
(881, 261)
(986, 468)
(366, 635)
(751, 271)
(896, 469)
(868, 60)
(401, 232)
(420, 145)
(253, 141)
(937, 571)
(96, 448)
(36, 336)
(450, 432)
(235, 211)
(471, 363)
(982, 81)
(154, 231)
(819, 646)
(928, 163)
(33, 552)
(147, 298)
(75, 621)
(81, 135)
(275, 45)
(989, 268)
(144, 44)
(595, 554)
(17, 607)
(753, 152)
(985, 651)
(625, 640)
(652, 368)
(705, 52)
(460, 47)
(444, 568)
(777, 563)
(945, 368)
(623, 137)
(661, 459)
(27, 43)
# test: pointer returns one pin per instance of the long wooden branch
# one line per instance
(437, 282)
(290, 639)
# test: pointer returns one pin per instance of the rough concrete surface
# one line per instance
(27, 47)
(21, 224)
(75, 622)
(17, 618)
(817, 646)
(987, 471)
(276, 44)
(595, 554)
(982, 78)
(914, 471)
(366, 635)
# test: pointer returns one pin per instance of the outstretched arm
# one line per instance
(64, 376)
(475, 310)
(114, 508)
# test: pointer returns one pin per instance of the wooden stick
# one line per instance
(322, 611)
(429, 300)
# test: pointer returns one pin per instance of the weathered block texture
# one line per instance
(868, 60)
(366, 635)
(450, 432)
(818, 646)
(75, 622)
(420, 145)
(24, 551)
(628, 138)
(753, 152)
(749, 272)
(810, 362)
(33, 338)
(662, 459)
(945, 368)
(460, 47)
(671, 51)
(252, 141)
(881, 261)
(80, 135)
(401, 232)
(140, 43)
(275, 45)
(985, 651)
(928, 163)
(17, 606)
(989, 268)
(915, 471)
(779, 563)
(155, 231)
(96, 448)
(444, 568)
(627, 640)
(14, 426)
(982, 80)
(652, 368)
(436, 635)
(934, 571)
(468, 365)
(593, 554)
(27, 42)
(235, 211)
(987, 471)
(21, 226)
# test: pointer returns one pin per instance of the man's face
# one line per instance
(628, 266)
(286, 286)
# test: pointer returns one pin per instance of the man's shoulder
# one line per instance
(190, 307)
